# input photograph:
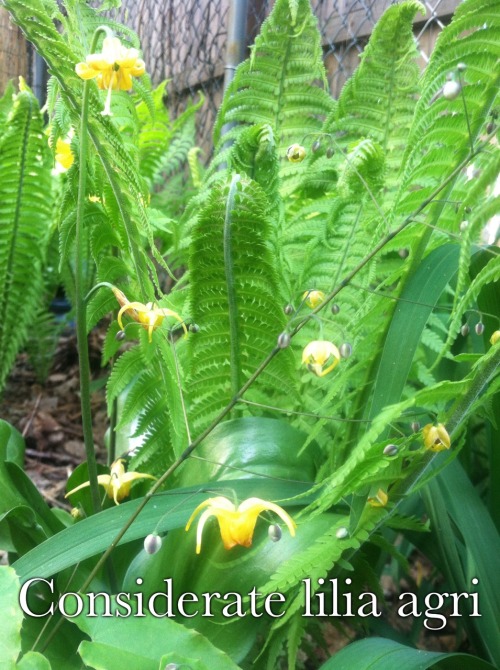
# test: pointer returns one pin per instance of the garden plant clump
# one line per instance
(301, 351)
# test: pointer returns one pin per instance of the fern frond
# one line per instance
(234, 300)
(25, 213)
(278, 85)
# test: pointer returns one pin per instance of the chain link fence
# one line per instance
(184, 41)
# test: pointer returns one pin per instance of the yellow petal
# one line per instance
(85, 72)
(102, 480)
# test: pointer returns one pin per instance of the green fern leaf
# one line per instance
(234, 300)
(25, 213)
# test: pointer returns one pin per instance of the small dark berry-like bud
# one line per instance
(288, 309)
(283, 340)
(316, 145)
(342, 533)
(403, 253)
(467, 210)
(479, 328)
(490, 127)
(120, 335)
(345, 350)
(415, 426)
(152, 543)
(465, 330)
(194, 328)
(390, 450)
(329, 152)
(275, 533)
(451, 90)
(461, 67)
(335, 308)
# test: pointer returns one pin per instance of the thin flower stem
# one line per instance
(81, 308)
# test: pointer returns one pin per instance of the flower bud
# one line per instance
(342, 533)
(345, 350)
(479, 328)
(295, 153)
(194, 328)
(283, 340)
(288, 309)
(415, 426)
(490, 127)
(403, 253)
(275, 533)
(495, 337)
(451, 90)
(390, 450)
(313, 298)
(465, 330)
(172, 666)
(120, 335)
(463, 226)
(152, 543)
(335, 308)
(316, 145)
(329, 152)
(461, 67)
(76, 513)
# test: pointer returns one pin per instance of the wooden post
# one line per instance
(14, 52)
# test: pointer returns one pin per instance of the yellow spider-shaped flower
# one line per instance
(150, 315)
(112, 69)
(117, 483)
(313, 298)
(436, 438)
(236, 525)
(380, 499)
(318, 354)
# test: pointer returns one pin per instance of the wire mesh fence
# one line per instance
(184, 41)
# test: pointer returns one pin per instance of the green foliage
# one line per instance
(235, 301)
(25, 214)
(399, 167)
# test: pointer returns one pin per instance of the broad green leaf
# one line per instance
(33, 661)
(11, 444)
(420, 295)
(142, 642)
(380, 654)
(467, 541)
(10, 638)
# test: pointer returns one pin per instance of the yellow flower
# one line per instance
(63, 153)
(112, 69)
(319, 353)
(295, 153)
(150, 315)
(495, 337)
(313, 298)
(436, 438)
(380, 499)
(117, 483)
(236, 525)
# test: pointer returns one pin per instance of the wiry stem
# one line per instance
(81, 308)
